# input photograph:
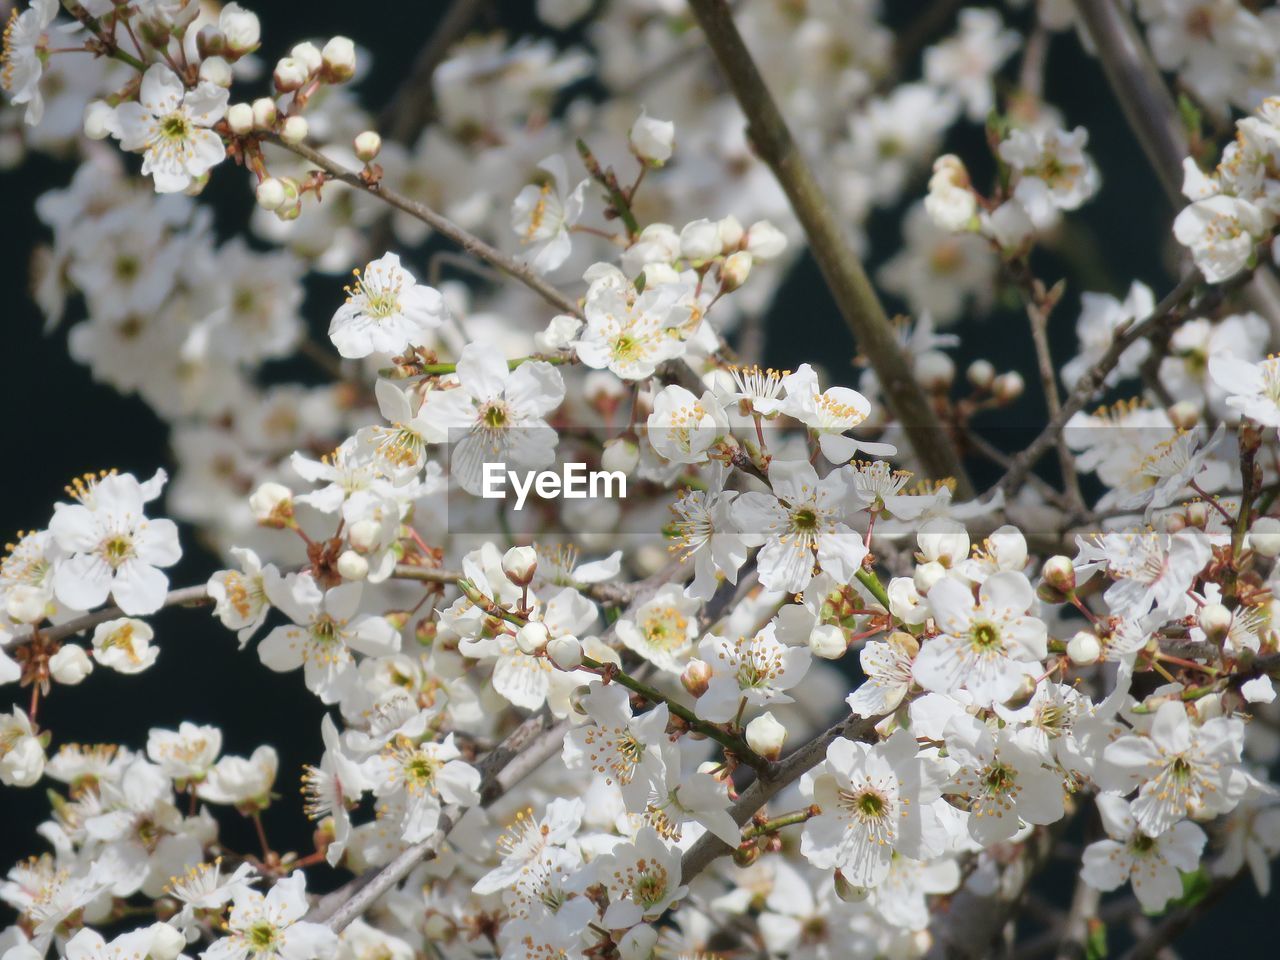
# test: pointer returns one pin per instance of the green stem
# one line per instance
(777, 823)
(869, 580)
(736, 745)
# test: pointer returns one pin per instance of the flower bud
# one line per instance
(99, 120)
(1198, 514)
(620, 453)
(765, 736)
(747, 854)
(638, 943)
(696, 677)
(904, 643)
(339, 60)
(1264, 536)
(731, 233)
(519, 564)
(565, 652)
(765, 241)
(1008, 386)
(294, 129)
(1060, 573)
(240, 118)
(926, 575)
(652, 140)
(70, 664)
(210, 42)
(308, 54)
(1184, 414)
(828, 641)
(699, 240)
(934, 371)
(290, 74)
(264, 113)
(981, 374)
(272, 505)
(950, 203)
(1084, 648)
(166, 942)
(352, 566)
(1215, 620)
(367, 144)
(532, 637)
(848, 892)
(439, 928)
(26, 603)
(216, 70)
(270, 194)
(734, 270)
(240, 27)
(363, 535)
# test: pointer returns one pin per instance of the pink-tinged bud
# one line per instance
(1215, 620)
(1060, 573)
(352, 566)
(532, 638)
(1084, 648)
(1008, 387)
(765, 735)
(367, 144)
(290, 74)
(272, 505)
(981, 374)
(696, 678)
(565, 652)
(519, 565)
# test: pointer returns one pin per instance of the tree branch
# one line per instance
(845, 276)
(174, 598)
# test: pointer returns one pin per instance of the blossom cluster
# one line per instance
(792, 696)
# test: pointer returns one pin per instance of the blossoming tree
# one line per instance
(804, 690)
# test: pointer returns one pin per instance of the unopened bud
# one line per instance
(240, 118)
(934, 371)
(765, 735)
(166, 942)
(981, 374)
(532, 637)
(1060, 573)
(1198, 514)
(696, 677)
(70, 664)
(270, 194)
(1184, 414)
(620, 453)
(240, 27)
(734, 270)
(216, 70)
(519, 564)
(26, 603)
(1215, 620)
(308, 54)
(1084, 648)
(747, 854)
(828, 641)
(638, 943)
(367, 144)
(290, 74)
(699, 240)
(848, 892)
(926, 575)
(565, 652)
(294, 129)
(352, 566)
(1008, 386)
(765, 241)
(339, 60)
(272, 505)
(363, 535)
(264, 113)
(99, 120)
(439, 928)
(1264, 536)
(652, 140)
(210, 41)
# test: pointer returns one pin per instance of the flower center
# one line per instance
(984, 636)
(261, 936)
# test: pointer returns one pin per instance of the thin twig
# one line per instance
(441, 224)
(174, 598)
(1176, 923)
(844, 274)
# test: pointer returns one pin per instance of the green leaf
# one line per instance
(1095, 943)
(1190, 114)
(640, 282)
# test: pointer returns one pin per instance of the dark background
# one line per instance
(57, 423)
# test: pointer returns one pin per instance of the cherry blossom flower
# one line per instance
(22, 63)
(543, 213)
(1251, 388)
(332, 788)
(642, 879)
(386, 311)
(1153, 864)
(1221, 232)
(618, 746)
(169, 125)
(415, 780)
(829, 414)
(705, 533)
(114, 548)
(268, 926)
(754, 670)
(683, 427)
(663, 628)
(527, 838)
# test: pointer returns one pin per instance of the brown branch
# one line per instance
(174, 598)
(844, 275)
(1177, 922)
